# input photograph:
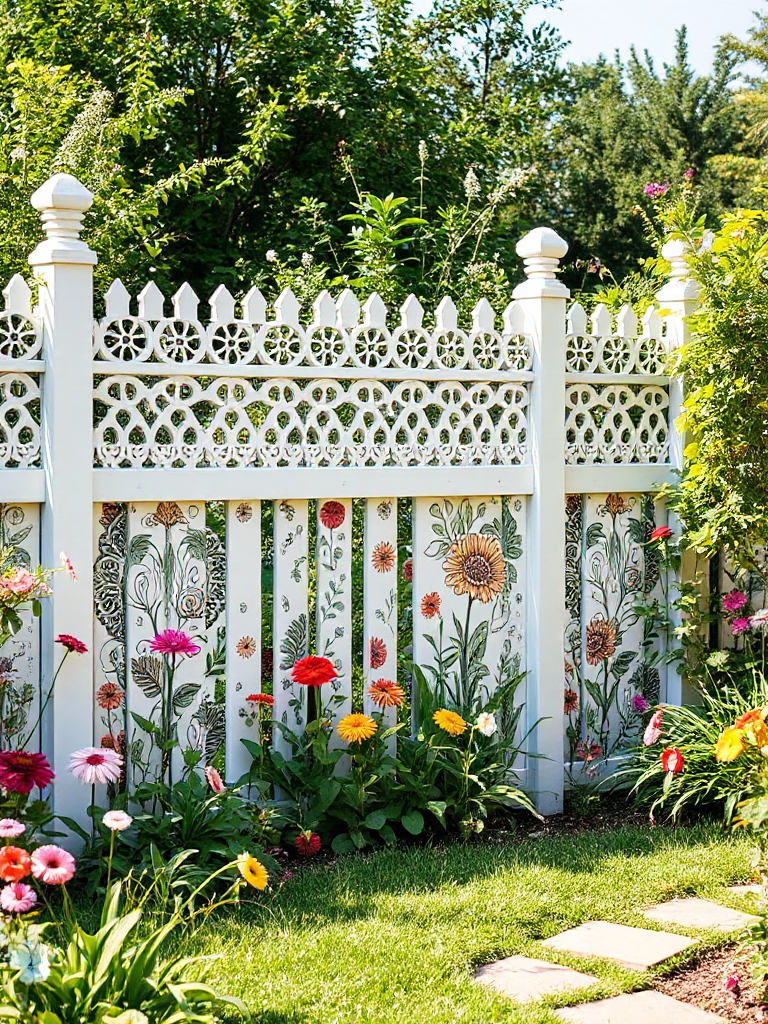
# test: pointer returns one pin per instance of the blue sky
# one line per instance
(602, 26)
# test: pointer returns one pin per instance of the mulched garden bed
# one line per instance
(704, 985)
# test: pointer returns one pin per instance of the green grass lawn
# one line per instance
(393, 938)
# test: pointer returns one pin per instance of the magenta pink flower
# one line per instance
(688, 175)
(656, 190)
(739, 626)
(174, 641)
(52, 865)
(10, 828)
(214, 780)
(734, 601)
(95, 764)
(17, 898)
(639, 703)
(653, 729)
(733, 984)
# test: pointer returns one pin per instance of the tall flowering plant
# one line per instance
(19, 587)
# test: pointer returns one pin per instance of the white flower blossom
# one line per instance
(471, 184)
(423, 151)
(31, 956)
(271, 256)
(759, 620)
(307, 260)
(486, 723)
(117, 821)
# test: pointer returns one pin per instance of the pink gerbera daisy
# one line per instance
(10, 828)
(174, 641)
(95, 764)
(17, 898)
(214, 780)
(52, 865)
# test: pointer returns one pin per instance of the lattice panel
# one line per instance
(21, 335)
(19, 420)
(615, 349)
(616, 423)
(186, 422)
(340, 334)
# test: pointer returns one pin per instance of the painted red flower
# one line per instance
(332, 514)
(174, 641)
(110, 696)
(672, 760)
(21, 771)
(571, 701)
(661, 533)
(71, 643)
(307, 843)
(313, 671)
(378, 651)
(430, 605)
(261, 698)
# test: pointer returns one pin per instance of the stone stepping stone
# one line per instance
(746, 890)
(637, 948)
(697, 913)
(524, 979)
(638, 1008)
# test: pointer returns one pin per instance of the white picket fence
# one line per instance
(533, 433)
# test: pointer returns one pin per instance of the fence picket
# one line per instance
(334, 598)
(380, 600)
(290, 631)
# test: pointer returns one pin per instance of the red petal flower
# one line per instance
(332, 514)
(71, 643)
(378, 651)
(313, 671)
(174, 641)
(307, 843)
(661, 533)
(21, 772)
(672, 760)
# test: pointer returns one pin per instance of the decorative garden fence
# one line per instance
(529, 446)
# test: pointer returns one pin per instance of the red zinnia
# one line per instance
(21, 772)
(313, 671)
(71, 643)
(15, 864)
(378, 651)
(332, 514)
(307, 843)
(672, 760)
(261, 698)
(430, 605)
(661, 533)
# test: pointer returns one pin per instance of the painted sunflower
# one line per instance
(356, 728)
(475, 566)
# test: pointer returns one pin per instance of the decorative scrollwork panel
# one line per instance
(19, 420)
(616, 423)
(188, 422)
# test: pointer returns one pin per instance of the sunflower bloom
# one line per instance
(730, 745)
(356, 728)
(449, 722)
(475, 566)
(253, 871)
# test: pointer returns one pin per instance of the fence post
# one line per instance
(543, 298)
(678, 299)
(64, 269)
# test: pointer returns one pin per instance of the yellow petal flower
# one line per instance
(730, 745)
(449, 722)
(356, 728)
(253, 871)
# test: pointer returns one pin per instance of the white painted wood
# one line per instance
(336, 373)
(360, 482)
(544, 299)
(374, 311)
(64, 268)
(222, 305)
(18, 296)
(185, 303)
(412, 312)
(151, 302)
(287, 308)
(290, 629)
(324, 310)
(601, 479)
(577, 319)
(244, 619)
(380, 585)
(254, 307)
(626, 323)
(347, 309)
(23, 485)
(483, 316)
(333, 603)
(601, 321)
(446, 315)
(117, 300)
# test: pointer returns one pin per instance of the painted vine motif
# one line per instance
(468, 604)
(19, 666)
(610, 569)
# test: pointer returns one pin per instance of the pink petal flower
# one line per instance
(734, 601)
(653, 729)
(95, 764)
(17, 898)
(52, 865)
(174, 641)
(10, 828)
(65, 561)
(117, 821)
(739, 626)
(214, 780)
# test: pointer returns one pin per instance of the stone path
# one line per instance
(524, 979)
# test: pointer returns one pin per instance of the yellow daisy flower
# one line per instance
(253, 871)
(356, 728)
(730, 745)
(449, 722)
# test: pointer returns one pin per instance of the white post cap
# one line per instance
(680, 284)
(541, 249)
(62, 201)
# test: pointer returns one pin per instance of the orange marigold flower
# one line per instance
(261, 698)
(356, 728)
(449, 722)
(430, 605)
(386, 694)
(383, 557)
